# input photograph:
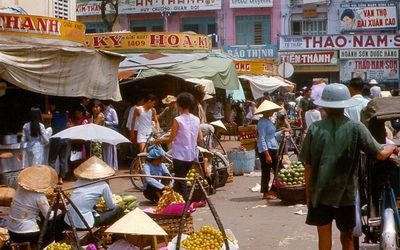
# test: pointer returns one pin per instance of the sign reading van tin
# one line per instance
(381, 65)
(250, 3)
(309, 58)
(368, 16)
(339, 42)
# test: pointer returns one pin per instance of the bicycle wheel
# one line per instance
(219, 170)
(137, 182)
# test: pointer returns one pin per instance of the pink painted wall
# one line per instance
(225, 20)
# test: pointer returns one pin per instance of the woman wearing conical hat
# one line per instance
(267, 145)
(30, 203)
(86, 197)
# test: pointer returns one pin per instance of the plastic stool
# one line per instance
(18, 245)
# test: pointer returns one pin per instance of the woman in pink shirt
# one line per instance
(185, 133)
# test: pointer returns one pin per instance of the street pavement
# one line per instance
(256, 223)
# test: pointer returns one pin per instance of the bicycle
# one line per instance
(140, 160)
(219, 161)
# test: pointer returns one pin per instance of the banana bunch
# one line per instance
(168, 197)
(50, 194)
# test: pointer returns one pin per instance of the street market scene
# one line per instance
(199, 125)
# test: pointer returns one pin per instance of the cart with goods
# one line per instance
(290, 179)
(202, 239)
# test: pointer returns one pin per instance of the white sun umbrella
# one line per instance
(92, 132)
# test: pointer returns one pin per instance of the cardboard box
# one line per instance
(247, 132)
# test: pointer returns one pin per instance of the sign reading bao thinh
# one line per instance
(126, 42)
(40, 29)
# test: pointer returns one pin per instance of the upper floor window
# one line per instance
(254, 30)
(61, 9)
(309, 27)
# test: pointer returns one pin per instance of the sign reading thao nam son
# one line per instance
(339, 42)
(136, 41)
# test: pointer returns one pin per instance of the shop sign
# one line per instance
(310, 13)
(339, 42)
(251, 51)
(148, 41)
(41, 27)
(250, 3)
(85, 8)
(309, 58)
(256, 68)
(368, 16)
(371, 53)
(382, 70)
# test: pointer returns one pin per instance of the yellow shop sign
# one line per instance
(145, 41)
(256, 67)
(41, 27)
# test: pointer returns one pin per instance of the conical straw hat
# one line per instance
(267, 106)
(93, 168)
(143, 225)
(38, 178)
(218, 123)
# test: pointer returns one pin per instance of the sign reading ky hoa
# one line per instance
(141, 41)
(251, 51)
(368, 16)
(85, 8)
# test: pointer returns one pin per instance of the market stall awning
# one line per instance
(61, 71)
(219, 69)
(207, 85)
(260, 84)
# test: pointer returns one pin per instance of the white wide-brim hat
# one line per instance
(336, 95)
(267, 106)
(373, 82)
(169, 99)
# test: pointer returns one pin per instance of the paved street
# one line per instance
(256, 223)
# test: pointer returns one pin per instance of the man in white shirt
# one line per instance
(374, 89)
(356, 86)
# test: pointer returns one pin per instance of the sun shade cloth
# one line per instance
(61, 71)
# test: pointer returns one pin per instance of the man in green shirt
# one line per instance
(331, 152)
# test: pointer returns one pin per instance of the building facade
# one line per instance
(64, 9)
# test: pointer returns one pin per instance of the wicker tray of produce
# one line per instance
(292, 194)
(170, 223)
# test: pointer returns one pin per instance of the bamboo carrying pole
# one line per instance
(60, 195)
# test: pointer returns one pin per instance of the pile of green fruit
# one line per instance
(292, 176)
(59, 246)
(128, 202)
(207, 238)
(191, 175)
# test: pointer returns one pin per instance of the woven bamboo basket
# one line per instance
(170, 223)
(230, 177)
(292, 194)
(6, 195)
